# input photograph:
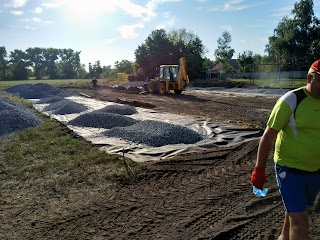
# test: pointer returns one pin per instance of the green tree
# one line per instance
(296, 39)
(51, 55)
(153, 52)
(106, 71)
(69, 64)
(19, 65)
(36, 60)
(206, 64)
(3, 63)
(187, 44)
(95, 70)
(224, 51)
(124, 66)
(246, 61)
(161, 47)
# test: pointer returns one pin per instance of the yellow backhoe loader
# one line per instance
(171, 77)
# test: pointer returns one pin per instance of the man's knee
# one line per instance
(299, 223)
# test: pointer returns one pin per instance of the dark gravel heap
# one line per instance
(119, 109)
(99, 119)
(65, 106)
(15, 117)
(155, 133)
(50, 99)
(37, 91)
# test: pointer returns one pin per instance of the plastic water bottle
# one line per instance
(260, 193)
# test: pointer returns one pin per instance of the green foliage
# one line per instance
(246, 61)
(124, 66)
(206, 64)
(296, 39)
(41, 63)
(224, 51)
(95, 70)
(161, 47)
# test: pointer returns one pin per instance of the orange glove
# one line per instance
(258, 177)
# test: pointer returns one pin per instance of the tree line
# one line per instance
(295, 40)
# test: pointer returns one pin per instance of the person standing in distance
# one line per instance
(94, 83)
(294, 128)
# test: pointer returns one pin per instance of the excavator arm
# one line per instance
(182, 75)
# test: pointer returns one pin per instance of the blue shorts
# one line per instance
(298, 189)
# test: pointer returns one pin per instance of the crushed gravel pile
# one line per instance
(119, 109)
(99, 119)
(15, 117)
(155, 133)
(65, 106)
(50, 99)
(37, 91)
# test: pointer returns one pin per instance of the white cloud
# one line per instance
(160, 26)
(38, 10)
(52, 5)
(233, 6)
(18, 3)
(28, 27)
(226, 28)
(35, 19)
(201, 1)
(137, 11)
(129, 31)
(286, 11)
(111, 40)
(18, 13)
(92, 9)
(169, 21)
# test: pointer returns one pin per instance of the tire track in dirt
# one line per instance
(187, 197)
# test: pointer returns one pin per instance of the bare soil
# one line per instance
(205, 195)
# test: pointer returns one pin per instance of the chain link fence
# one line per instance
(272, 74)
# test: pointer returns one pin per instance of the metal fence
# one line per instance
(273, 73)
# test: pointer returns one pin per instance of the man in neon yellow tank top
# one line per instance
(294, 128)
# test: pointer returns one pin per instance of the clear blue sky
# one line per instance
(111, 30)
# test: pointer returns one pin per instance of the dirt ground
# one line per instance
(204, 195)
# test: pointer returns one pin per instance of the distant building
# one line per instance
(216, 70)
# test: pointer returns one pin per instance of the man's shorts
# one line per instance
(298, 188)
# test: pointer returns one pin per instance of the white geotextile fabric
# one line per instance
(214, 135)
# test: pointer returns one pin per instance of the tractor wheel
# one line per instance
(177, 91)
(162, 88)
(151, 88)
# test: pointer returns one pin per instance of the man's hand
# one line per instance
(258, 177)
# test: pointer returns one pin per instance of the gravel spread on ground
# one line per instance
(65, 106)
(15, 117)
(155, 133)
(100, 119)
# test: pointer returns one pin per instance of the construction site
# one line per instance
(198, 147)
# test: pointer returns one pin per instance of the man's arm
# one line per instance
(265, 146)
(258, 176)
